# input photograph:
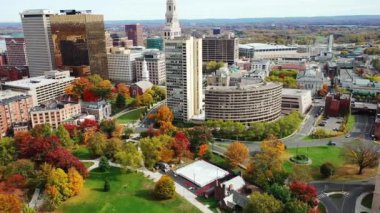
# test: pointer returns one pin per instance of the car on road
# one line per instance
(322, 124)
(348, 136)
(330, 143)
(164, 167)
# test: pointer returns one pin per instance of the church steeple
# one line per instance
(172, 28)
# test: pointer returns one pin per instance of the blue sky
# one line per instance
(198, 9)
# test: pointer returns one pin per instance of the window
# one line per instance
(170, 8)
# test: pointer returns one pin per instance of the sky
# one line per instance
(197, 9)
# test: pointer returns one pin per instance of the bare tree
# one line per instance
(362, 154)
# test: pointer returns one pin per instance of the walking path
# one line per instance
(155, 176)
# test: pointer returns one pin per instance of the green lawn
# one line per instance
(130, 192)
(82, 153)
(212, 204)
(88, 164)
(318, 155)
(131, 116)
(367, 201)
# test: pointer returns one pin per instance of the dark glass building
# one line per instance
(79, 41)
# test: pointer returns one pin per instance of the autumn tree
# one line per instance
(160, 93)
(129, 156)
(123, 90)
(113, 146)
(164, 188)
(212, 66)
(324, 90)
(181, 145)
(78, 86)
(152, 147)
(7, 150)
(23, 167)
(57, 188)
(10, 203)
(103, 89)
(199, 136)
(237, 153)
(64, 136)
(108, 126)
(304, 192)
(98, 144)
(164, 117)
(37, 148)
(300, 173)
(203, 150)
(75, 181)
(62, 158)
(362, 154)
(263, 203)
(272, 146)
(296, 206)
(42, 130)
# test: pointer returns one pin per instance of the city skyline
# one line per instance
(198, 9)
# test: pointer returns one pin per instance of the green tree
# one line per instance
(120, 101)
(281, 193)
(43, 130)
(164, 188)
(263, 203)
(64, 135)
(327, 170)
(104, 165)
(98, 144)
(108, 126)
(151, 148)
(7, 150)
(296, 206)
(128, 132)
(160, 93)
(27, 209)
(130, 156)
(114, 145)
(212, 66)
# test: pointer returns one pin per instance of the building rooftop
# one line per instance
(295, 92)
(262, 46)
(51, 105)
(144, 85)
(37, 12)
(35, 82)
(246, 84)
(201, 173)
(8, 96)
(235, 183)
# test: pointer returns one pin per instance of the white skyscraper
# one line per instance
(172, 28)
(39, 46)
(120, 64)
(184, 76)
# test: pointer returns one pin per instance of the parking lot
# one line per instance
(331, 123)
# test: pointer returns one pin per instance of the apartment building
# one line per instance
(220, 48)
(155, 63)
(296, 100)
(121, 64)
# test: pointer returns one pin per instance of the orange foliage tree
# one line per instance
(325, 89)
(237, 153)
(202, 150)
(10, 203)
(273, 146)
(75, 181)
(181, 145)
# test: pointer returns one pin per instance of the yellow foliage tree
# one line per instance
(75, 181)
(273, 146)
(237, 153)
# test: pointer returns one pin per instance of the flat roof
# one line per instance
(201, 173)
(262, 46)
(35, 82)
(295, 92)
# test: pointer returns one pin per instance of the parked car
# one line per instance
(330, 143)
(348, 136)
(322, 124)
(163, 166)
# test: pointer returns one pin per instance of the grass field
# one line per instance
(318, 155)
(131, 116)
(367, 200)
(130, 192)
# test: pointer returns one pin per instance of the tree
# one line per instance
(57, 187)
(273, 146)
(103, 89)
(23, 167)
(75, 181)
(62, 158)
(296, 206)
(198, 136)
(281, 193)
(376, 64)
(164, 114)
(114, 145)
(166, 155)
(10, 203)
(27, 209)
(362, 154)
(263, 203)
(7, 150)
(77, 88)
(64, 136)
(104, 165)
(107, 186)
(159, 92)
(164, 188)
(42, 130)
(128, 132)
(123, 90)
(237, 153)
(37, 148)
(108, 126)
(151, 148)
(327, 170)
(98, 144)
(212, 66)
(324, 90)
(129, 156)
(181, 145)
(120, 101)
(300, 173)
(203, 150)
(304, 192)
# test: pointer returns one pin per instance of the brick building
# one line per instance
(16, 51)
(135, 33)
(337, 105)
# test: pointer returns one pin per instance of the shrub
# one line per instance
(104, 165)
(327, 170)
(107, 186)
(164, 188)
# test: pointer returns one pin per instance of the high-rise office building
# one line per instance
(155, 43)
(135, 33)
(16, 51)
(155, 61)
(39, 47)
(121, 64)
(79, 41)
(172, 28)
(183, 57)
(221, 48)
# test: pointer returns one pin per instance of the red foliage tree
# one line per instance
(61, 158)
(88, 123)
(181, 145)
(89, 96)
(37, 148)
(71, 128)
(304, 192)
(152, 132)
(16, 181)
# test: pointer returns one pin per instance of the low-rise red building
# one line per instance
(337, 105)
(140, 87)
(12, 73)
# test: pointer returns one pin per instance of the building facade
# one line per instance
(39, 46)
(14, 110)
(54, 114)
(172, 28)
(311, 80)
(42, 88)
(16, 51)
(79, 41)
(183, 56)
(222, 48)
(121, 63)
(100, 109)
(267, 51)
(247, 102)
(296, 100)
(155, 43)
(134, 32)
(155, 61)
